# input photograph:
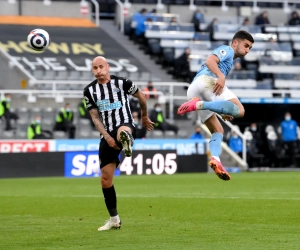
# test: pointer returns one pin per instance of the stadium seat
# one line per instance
(21, 134)
(86, 76)
(74, 75)
(168, 57)
(35, 111)
(182, 134)
(22, 124)
(154, 46)
(170, 134)
(84, 134)
(157, 134)
(265, 84)
(62, 75)
(7, 135)
(49, 75)
(44, 86)
(38, 74)
(47, 124)
(82, 123)
(145, 76)
(134, 76)
(48, 115)
(23, 113)
(60, 135)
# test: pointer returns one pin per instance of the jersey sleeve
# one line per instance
(223, 53)
(90, 104)
(129, 87)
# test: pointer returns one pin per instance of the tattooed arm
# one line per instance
(100, 127)
(147, 123)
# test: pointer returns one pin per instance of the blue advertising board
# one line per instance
(270, 100)
(77, 145)
(183, 146)
(83, 164)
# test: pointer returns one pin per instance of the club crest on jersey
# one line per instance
(105, 105)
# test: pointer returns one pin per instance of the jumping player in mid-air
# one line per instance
(209, 95)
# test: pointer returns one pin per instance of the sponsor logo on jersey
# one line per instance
(105, 105)
(116, 90)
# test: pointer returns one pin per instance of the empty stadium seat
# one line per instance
(170, 134)
(60, 135)
(84, 134)
(49, 75)
(74, 75)
(24, 113)
(35, 111)
(154, 46)
(47, 124)
(21, 134)
(38, 74)
(7, 135)
(182, 134)
(48, 114)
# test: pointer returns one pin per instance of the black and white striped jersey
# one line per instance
(111, 100)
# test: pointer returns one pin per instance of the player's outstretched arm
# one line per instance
(147, 123)
(100, 127)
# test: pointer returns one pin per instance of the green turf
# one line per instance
(183, 211)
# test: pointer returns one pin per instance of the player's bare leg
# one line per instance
(232, 107)
(217, 132)
(126, 139)
(110, 198)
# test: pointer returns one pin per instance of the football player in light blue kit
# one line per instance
(209, 95)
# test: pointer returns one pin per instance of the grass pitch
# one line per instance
(182, 211)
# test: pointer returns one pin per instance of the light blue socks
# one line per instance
(215, 144)
(222, 107)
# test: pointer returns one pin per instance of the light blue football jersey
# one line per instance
(225, 54)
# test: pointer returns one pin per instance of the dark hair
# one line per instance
(243, 35)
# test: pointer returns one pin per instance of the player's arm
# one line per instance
(147, 123)
(100, 127)
(212, 64)
(131, 89)
(98, 123)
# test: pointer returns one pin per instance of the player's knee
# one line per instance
(106, 182)
(242, 112)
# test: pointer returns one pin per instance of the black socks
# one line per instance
(110, 200)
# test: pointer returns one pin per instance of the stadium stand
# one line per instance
(270, 71)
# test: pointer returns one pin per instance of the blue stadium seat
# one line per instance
(154, 46)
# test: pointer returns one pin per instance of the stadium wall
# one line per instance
(37, 8)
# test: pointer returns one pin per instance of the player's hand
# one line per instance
(112, 143)
(147, 123)
(227, 117)
(220, 83)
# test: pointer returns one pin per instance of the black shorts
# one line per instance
(108, 154)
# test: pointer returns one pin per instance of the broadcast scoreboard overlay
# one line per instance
(80, 158)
